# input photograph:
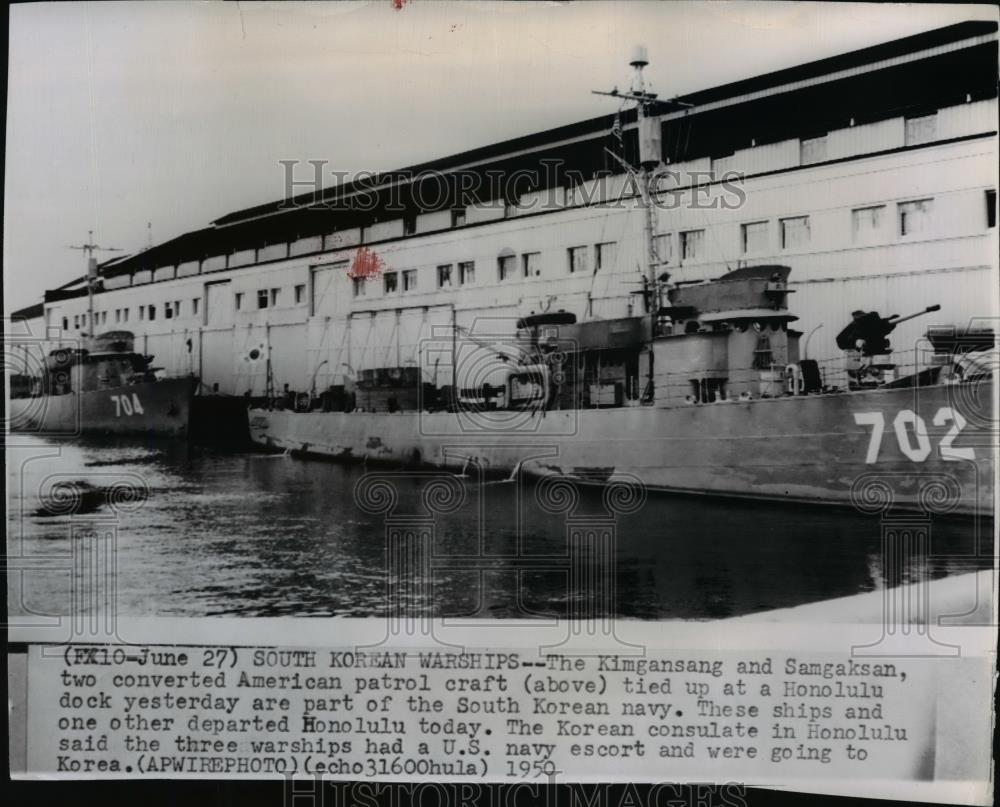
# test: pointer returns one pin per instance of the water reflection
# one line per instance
(261, 535)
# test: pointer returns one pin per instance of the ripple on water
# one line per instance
(243, 534)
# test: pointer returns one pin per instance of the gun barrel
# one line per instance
(927, 310)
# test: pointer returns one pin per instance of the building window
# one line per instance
(466, 273)
(665, 247)
(577, 259)
(124, 315)
(390, 282)
(194, 306)
(76, 321)
(922, 129)
(239, 302)
(104, 318)
(604, 255)
(794, 232)
(358, 286)
(506, 267)
(118, 315)
(409, 279)
(866, 223)
(692, 244)
(262, 299)
(531, 264)
(444, 275)
(142, 311)
(168, 311)
(65, 323)
(152, 313)
(409, 225)
(754, 237)
(914, 217)
(991, 208)
(300, 293)
(275, 295)
(812, 150)
(458, 217)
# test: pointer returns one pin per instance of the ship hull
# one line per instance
(157, 408)
(928, 448)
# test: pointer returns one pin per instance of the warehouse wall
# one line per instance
(316, 322)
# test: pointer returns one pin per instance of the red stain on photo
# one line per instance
(398, 4)
(366, 264)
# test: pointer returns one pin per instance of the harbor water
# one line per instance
(205, 532)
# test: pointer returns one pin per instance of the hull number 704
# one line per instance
(127, 405)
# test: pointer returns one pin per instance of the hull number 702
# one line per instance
(911, 434)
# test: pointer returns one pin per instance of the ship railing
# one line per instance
(835, 375)
(677, 388)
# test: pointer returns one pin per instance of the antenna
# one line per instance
(89, 249)
(650, 157)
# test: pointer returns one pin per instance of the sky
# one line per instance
(173, 114)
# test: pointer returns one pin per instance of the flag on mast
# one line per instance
(616, 130)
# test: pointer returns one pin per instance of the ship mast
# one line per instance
(650, 159)
(88, 249)
(650, 151)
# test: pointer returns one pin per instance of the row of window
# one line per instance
(510, 266)
(916, 130)
(171, 310)
(271, 298)
(868, 224)
(794, 232)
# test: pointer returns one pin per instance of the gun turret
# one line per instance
(867, 331)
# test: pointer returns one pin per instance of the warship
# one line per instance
(99, 385)
(104, 388)
(705, 392)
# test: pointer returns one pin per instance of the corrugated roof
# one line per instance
(29, 312)
(857, 58)
(941, 79)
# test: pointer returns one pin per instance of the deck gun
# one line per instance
(865, 342)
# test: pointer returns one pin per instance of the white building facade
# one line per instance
(892, 215)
